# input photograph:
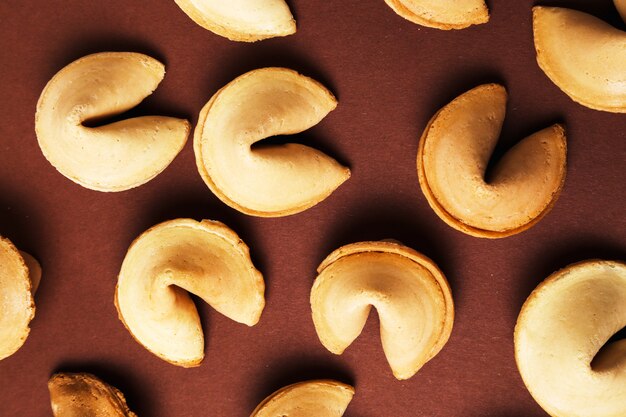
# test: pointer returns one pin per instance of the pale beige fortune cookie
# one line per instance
(442, 14)
(410, 293)
(317, 398)
(266, 180)
(452, 160)
(560, 340)
(241, 20)
(20, 274)
(116, 156)
(584, 56)
(175, 257)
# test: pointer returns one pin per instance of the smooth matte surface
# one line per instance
(390, 76)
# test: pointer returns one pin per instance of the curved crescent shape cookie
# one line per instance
(559, 339)
(117, 156)
(410, 293)
(273, 180)
(452, 159)
(175, 257)
(442, 14)
(84, 395)
(19, 277)
(315, 398)
(584, 56)
(241, 20)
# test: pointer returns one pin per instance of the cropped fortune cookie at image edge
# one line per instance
(84, 395)
(241, 20)
(20, 274)
(316, 398)
(561, 340)
(584, 56)
(442, 14)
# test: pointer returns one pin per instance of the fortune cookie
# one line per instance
(266, 180)
(410, 293)
(116, 156)
(561, 339)
(241, 20)
(19, 278)
(452, 159)
(84, 395)
(318, 398)
(442, 14)
(584, 56)
(171, 259)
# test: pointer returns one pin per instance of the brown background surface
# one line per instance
(390, 76)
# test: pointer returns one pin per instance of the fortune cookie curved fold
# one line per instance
(272, 180)
(84, 395)
(175, 257)
(410, 293)
(584, 56)
(560, 340)
(442, 14)
(116, 156)
(19, 277)
(317, 398)
(453, 154)
(241, 20)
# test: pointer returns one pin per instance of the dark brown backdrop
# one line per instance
(390, 76)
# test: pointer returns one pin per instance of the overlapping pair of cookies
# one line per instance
(562, 326)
